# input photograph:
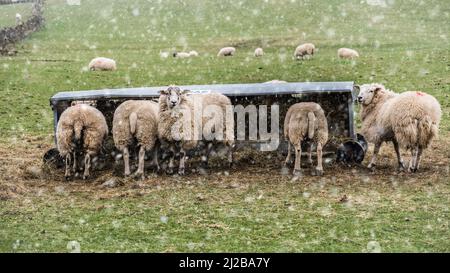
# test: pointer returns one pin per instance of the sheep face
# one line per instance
(368, 92)
(173, 96)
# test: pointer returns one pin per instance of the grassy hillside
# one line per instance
(257, 207)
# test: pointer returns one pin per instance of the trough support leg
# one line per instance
(87, 165)
(298, 156)
(288, 157)
(319, 168)
(126, 161)
(68, 166)
(376, 150)
(401, 165)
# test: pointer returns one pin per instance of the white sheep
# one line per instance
(81, 129)
(410, 119)
(181, 55)
(259, 52)
(303, 50)
(185, 112)
(136, 120)
(102, 64)
(18, 19)
(193, 53)
(226, 51)
(305, 122)
(347, 53)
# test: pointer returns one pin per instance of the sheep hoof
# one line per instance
(85, 177)
(181, 171)
(68, 177)
(371, 167)
(318, 172)
(297, 172)
(412, 170)
(169, 171)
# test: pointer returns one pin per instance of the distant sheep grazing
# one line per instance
(226, 51)
(193, 53)
(102, 64)
(304, 50)
(410, 119)
(276, 81)
(259, 52)
(18, 19)
(305, 121)
(181, 55)
(136, 120)
(347, 53)
(81, 130)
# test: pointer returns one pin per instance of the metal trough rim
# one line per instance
(248, 89)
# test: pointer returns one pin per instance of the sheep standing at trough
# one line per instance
(303, 50)
(259, 52)
(81, 130)
(136, 120)
(410, 119)
(305, 122)
(102, 64)
(183, 120)
(347, 53)
(226, 51)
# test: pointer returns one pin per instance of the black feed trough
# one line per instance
(336, 98)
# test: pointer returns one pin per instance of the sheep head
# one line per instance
(369, 92)
(172, 96)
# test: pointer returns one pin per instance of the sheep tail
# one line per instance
(133, 122)
(78, 130)
(311, 124)
(426, 131)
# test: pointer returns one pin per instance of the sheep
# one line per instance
(410, 120)
(181, 55)
(259, 52)
(18, 19)
(136, 120)
(305, 122)
(347, 53)
(303, 50)
(193, 53)
(81, 129)
(226, 51)
(177, 109)
(102, 64)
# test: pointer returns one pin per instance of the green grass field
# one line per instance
(405, 45)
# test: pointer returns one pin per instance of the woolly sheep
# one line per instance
(18, 19)
(226, 51)
(410, 120)
(305, 121)
(181, 55)
(136, 120)
(177, 109)
(102, 64)
(81, 129)
(303, 50)
(347, 53)
(193, 53)
(259, 52)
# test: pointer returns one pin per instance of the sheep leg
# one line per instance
(418, 155)
(182, 161)
(401, 165)
(171, 161)
(74, 169)
(126, 161)
(155, 159)
(87, 165)
(298, 156)
(141, 161)
(412, 162)
(288, 157)
(319, 168)
(230, 156)
(376, 150)
(67, 174)
(309, 150)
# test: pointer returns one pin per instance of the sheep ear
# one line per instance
(356, 88)
(184, 92)
(163, 92)
(377, 89)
